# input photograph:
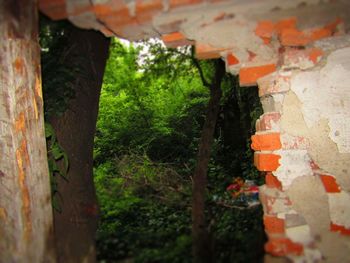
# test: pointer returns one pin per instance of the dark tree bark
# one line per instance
(25, 203)
(201, 247)
(76, 225)
(232, 123)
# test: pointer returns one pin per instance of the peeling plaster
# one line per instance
(300, 234)
(340, 208)
(310, 256)
(331, 87)
(318, 108)
(310, 201)
(293, 164)
(335, 42)
(334, 247)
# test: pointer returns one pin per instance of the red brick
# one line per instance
(80, 8)
(296, 58)
(330, 183)
(266, 162)
(249, 76)
(294, 37)
(283, 247)
(119, 18)
(271, 181)
(334, 25)
(145, 10)
(320, 33)
(274, 225)
(290, 22)
(265, 30)
(101, 10)
(315, 54)
(176, 39)
(266, 142)
(268, 121)
(341, 229)
(232, 60)
(205, 51)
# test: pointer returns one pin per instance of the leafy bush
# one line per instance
(147, 139)
(144, 211)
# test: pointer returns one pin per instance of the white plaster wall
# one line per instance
(326, 94)
(317, 107)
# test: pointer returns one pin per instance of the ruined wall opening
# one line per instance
(296, 51)
(288, 50)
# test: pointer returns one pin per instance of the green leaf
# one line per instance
(50, 133)
(56, 151)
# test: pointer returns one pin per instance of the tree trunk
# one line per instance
(76, 225)
(25, 203)
(232, 124)
(201, 247)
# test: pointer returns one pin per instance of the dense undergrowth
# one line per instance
(152, 109)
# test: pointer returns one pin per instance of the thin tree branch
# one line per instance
(200, 71)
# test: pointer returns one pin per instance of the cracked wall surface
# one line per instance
(298, 53)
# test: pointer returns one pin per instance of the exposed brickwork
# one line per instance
(265, 30)
(266, 141)
(340, 229)
(274, 225)
(281, 46)
(232, 60)
(303, 59)
(293, 37)
(271, 181)
(283, 247)
(266, 161)
(176, 39)
(205, 51)
(249, 76)
(330, 184)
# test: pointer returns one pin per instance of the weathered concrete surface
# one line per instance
(318, 108)
(309, 199)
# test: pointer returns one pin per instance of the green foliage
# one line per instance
(152, 109)
(143, 218)
(239, 234)
(137, 106)
(57, 162)
(57, 81)
(57, 70)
